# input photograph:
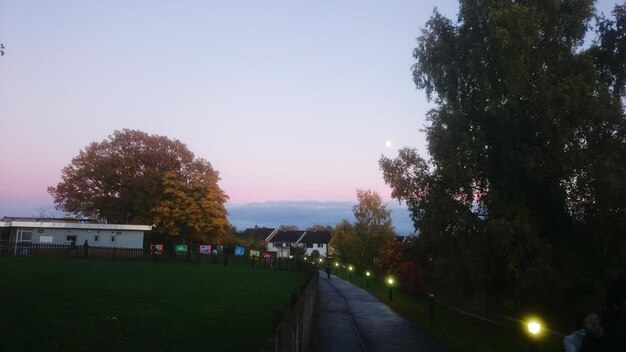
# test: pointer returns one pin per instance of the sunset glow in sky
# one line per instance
(289, 100)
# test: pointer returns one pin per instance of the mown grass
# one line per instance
(92, 305)
(460, 332)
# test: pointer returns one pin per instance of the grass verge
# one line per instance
(459, 331)
(79, 305)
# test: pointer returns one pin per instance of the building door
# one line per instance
(23, 241)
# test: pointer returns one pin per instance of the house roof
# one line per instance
(287, 236)
(316, 237)
(258, 233)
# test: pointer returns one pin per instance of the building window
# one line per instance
(320, 245)
(113, 237)
(96, 238)
(309, 245)
(70, 238)
(24, 235)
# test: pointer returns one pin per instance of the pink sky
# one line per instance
(288, 100)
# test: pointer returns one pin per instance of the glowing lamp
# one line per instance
(534, 327)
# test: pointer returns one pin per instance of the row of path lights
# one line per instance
(533, 325)
(390, 281)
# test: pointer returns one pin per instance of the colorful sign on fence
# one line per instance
(181, 248)
(204, 249)
(156, 249)
(267, 255)
(239, 251)
(255, 254)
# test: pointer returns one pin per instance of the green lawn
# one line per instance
(460, 332)
(95, 305)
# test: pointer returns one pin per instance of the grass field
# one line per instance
(460, 332)
(91, 305)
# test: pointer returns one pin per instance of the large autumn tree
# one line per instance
(133, 177)
(524, 190)
(361, 242)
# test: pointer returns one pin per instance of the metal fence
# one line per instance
(65, 250)
(21, 249)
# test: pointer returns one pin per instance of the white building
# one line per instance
(316, 240)
(26, 231)
(280, 242)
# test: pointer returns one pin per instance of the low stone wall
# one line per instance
(294, 329)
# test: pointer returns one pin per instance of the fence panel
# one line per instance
(113, 253)
(69, 251)
(295, 331)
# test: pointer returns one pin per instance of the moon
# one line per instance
(388, 144)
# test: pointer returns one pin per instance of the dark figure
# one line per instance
(86, 248)
(611, 334)
(328, 269)
(573, 341)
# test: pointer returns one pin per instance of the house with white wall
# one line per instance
(316, 240)
(281, 241)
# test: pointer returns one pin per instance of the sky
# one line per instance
(291, 101)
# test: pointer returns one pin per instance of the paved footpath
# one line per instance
(352, 320)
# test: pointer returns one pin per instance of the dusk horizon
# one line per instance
(271, 214)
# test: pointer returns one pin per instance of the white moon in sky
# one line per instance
(388, 144)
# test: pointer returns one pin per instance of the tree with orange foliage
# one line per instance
(136, 178)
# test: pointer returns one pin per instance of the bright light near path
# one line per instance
(388, 144)
(534, 327)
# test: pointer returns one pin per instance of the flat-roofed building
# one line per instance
(62, 231)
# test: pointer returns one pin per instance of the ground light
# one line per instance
(350, 268)
(390, 281)
(367, 279)
(431, 309)
(534, 328)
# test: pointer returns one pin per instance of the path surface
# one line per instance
(352, 320)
